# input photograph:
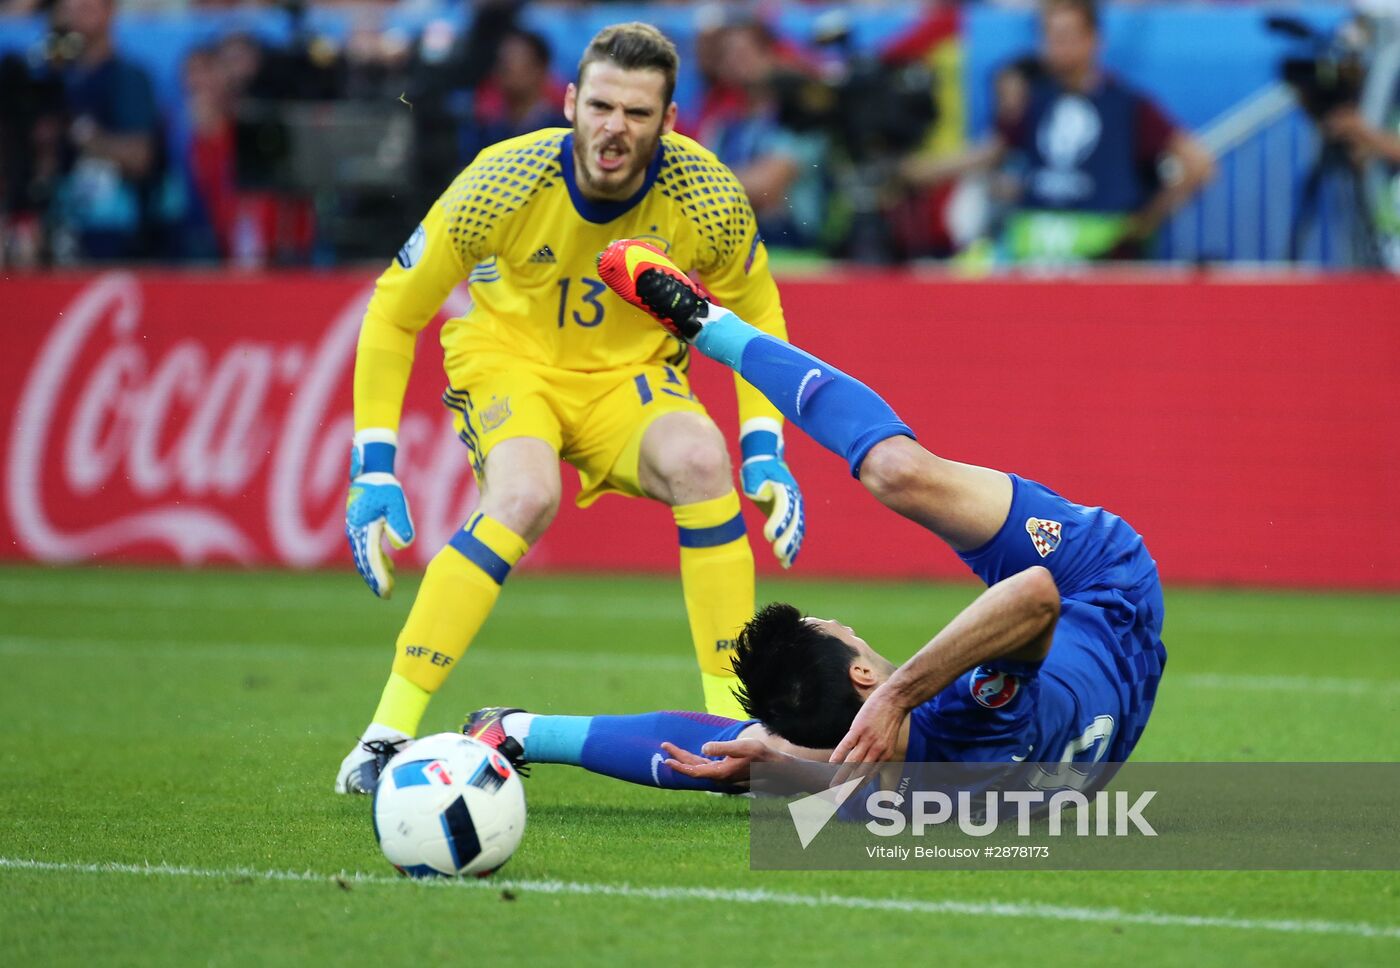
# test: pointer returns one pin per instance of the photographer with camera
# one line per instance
(1348, 83)
(778, 167)
(870, 111)
(1093, 152)
(1374, 153)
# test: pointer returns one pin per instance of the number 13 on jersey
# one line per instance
(589, 311)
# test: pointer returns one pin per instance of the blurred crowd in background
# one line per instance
(325, 148)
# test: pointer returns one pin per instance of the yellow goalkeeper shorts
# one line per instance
(595, 421)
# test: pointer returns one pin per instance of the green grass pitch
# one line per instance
(170, 739)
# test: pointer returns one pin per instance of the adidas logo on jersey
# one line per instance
(544, 255)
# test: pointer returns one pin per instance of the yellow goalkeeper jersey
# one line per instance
(517, 227)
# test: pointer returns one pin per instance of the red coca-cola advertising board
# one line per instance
(1249, 429)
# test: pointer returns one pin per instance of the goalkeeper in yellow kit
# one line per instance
(550, 364)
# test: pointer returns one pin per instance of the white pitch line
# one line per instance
(727, 895)
(551, 660)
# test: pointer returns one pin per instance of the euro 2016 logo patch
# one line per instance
(494, 414)
(1045, 535)
(993, 689)
(412, 250)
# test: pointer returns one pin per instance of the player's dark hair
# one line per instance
(1088, 10)
(795, 678)
(635, 47)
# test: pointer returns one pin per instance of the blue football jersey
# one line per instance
(1091, 697)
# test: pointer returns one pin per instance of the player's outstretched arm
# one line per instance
(1013, 619)
(728, 762)
(406, 298)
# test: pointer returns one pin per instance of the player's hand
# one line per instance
(872, 738)
(732, 766)
(769, 483)
(375, 508)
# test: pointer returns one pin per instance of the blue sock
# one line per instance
(837, 411)
(629, 747)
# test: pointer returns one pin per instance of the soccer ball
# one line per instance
(447, 806)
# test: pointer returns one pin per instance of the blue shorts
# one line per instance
(1091, 697)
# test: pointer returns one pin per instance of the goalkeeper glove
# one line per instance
(769, 484)
(376, 507)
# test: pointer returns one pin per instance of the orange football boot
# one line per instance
(643, 276)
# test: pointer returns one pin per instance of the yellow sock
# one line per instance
(459, 589)
(717, 575)
(401, 705)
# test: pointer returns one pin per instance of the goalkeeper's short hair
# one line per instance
(633, 47)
